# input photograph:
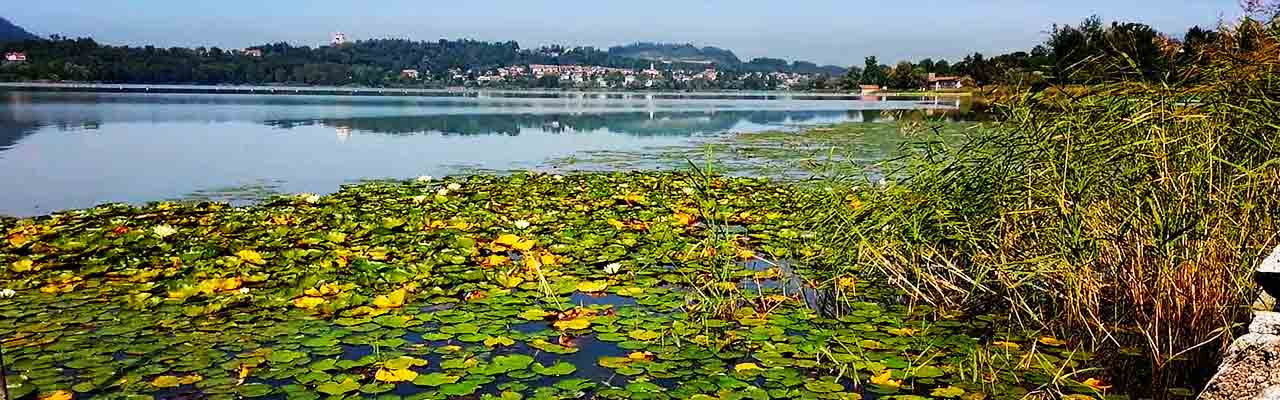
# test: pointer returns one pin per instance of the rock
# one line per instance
(1272, 262)
(1272, 393)
(1265, 323)
(1250, 370)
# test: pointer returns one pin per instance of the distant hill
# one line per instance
(13, 33)
(686, 53)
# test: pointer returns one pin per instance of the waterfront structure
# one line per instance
(936, 82)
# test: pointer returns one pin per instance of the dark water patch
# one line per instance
(598, 299)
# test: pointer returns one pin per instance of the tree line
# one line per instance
(375, 62)
(1090, 51)
(1071, 54)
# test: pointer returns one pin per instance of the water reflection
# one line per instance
(630, 123)
(75, 150)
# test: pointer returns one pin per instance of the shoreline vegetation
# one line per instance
(1097, 240)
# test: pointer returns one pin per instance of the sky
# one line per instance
(839, 32)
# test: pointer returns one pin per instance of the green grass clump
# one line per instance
(1129, 213)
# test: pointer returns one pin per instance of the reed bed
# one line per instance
(1124, 214)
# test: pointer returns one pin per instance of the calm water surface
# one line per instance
(70, 150)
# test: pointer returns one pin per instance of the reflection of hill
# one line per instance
(633, 123)
(12, 128)
(11, 132)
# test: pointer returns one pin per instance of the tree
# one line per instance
(872, 73)
(904, 76)
(851, 79)
(942, 67)
(927, 65)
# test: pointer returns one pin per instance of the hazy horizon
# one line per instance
(823, 31)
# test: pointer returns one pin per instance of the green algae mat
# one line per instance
(533, 286)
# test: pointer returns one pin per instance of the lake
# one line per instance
(63, 151)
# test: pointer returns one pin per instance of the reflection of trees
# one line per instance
(634, 123)
(12, 131)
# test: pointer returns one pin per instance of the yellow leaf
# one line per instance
(23, 265)
(508, 281)
(494, 261)
(744, 254)
(229, 284)
(393, 300)
(189, 379)
(507, 239)
(244, 373)
(640, 355)
(903, 331)
(324, 290)
(17, 240)
(531, 262)
(592, 286)
(847, 282)
(744, 367)
(548, 259)
(58, 395)
(855, 202)
(251, 257)
(633, 198)
(1052, 341)
(685, 219)
(395, 375)
(499, 341)
(308, 302)
(573, 324)
(886, 379)
(1011, 346)
(1096, 384)
(523, 245)
(616, 224)
(166, 381)
(630, 291)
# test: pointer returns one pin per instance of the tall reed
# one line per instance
(1122, 213)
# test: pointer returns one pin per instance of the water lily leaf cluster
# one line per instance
(611, 286)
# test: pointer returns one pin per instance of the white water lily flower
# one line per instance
(612, 268)
(687, 191)
(163, 231)
(425, 179)
(454, 186)
(522, 224)
(244, 290)
(558, 177)
(310, 197)
(7, 293)
(419, 199)
(442, 192)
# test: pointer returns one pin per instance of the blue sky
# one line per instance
(823, 31)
